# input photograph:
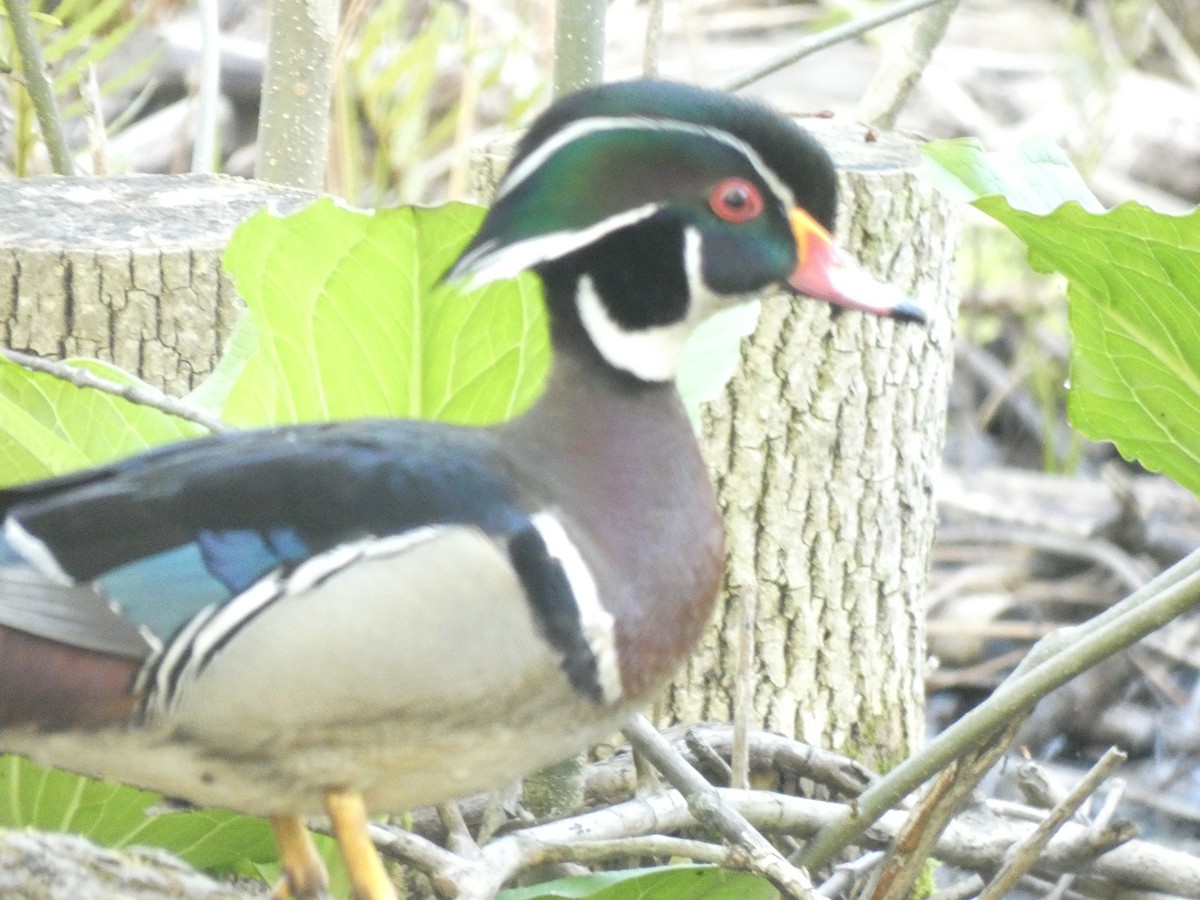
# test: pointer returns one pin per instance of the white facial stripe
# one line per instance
(585, 127)
(651, 354)
(595, 621)
(490, 262)
(35, 552)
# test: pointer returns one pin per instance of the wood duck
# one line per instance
(379, 614)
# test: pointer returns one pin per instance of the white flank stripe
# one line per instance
(163, 664)
(399, 543)
(35, 551)
(231, 616)
(595, 621)
(205, 631)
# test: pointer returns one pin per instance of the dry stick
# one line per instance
(41, 92)
(654, 32)
(208, 92)
(1051, 663)
(442, 866)
(929, 818)
(141, 394)
(743, 698)
(845, 874)
(706, 805)
(1098, 827)
(458, 836)
(1025, 854)
(902, 66)
(707, 756)
(826, 38)
(93, 115)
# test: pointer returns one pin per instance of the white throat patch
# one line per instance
(651, 354)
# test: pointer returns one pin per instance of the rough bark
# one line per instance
(43, 866)
(125, 269)
(824, 448)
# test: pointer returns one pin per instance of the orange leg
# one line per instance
(304, 876)
(367, 874)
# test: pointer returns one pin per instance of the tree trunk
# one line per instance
(125, 269)
(823, 448)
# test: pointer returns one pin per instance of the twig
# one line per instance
(468, 106)
(845, 874)
(1098, 827)
(1131, 571)
(41, 92)
(1051, 663)
(745, 678)
(654, 32)
(458, 836)
(142, 394)
(928, 819)
(709, 758)
(827, 38)
(902, 66)
(1187, 62)
(204, 131)
(1025, 854)
(706, 804)
(651, 845)
(93, 115)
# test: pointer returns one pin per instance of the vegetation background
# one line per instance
(1040, 527)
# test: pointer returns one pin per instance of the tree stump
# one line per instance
(824, 448)
(126, 269)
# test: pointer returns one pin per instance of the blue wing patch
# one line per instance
(162, 592)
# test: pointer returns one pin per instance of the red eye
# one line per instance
(736, 200)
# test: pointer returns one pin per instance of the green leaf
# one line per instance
(683, 882)
(48, 426)
(711, 356)
(1036, 177)
(213, 392)
(114, 815)
(352, 321)
(1134, 287)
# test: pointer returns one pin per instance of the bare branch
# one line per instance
(707, 805)
(140, 393)
(903, 64)
(826, 38)
(1026, 853)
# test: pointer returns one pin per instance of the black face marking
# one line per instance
(554, 607)
(638, 273)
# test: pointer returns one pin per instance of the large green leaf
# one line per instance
(115, 815)
(48, 426)
(352, 321)
(683, 882)
(1037, 176)
(1133, 279)
(1134, 286)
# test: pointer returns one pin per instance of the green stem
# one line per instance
(1169, 595)
(578, 44)
(41, 93)
(293, 126)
